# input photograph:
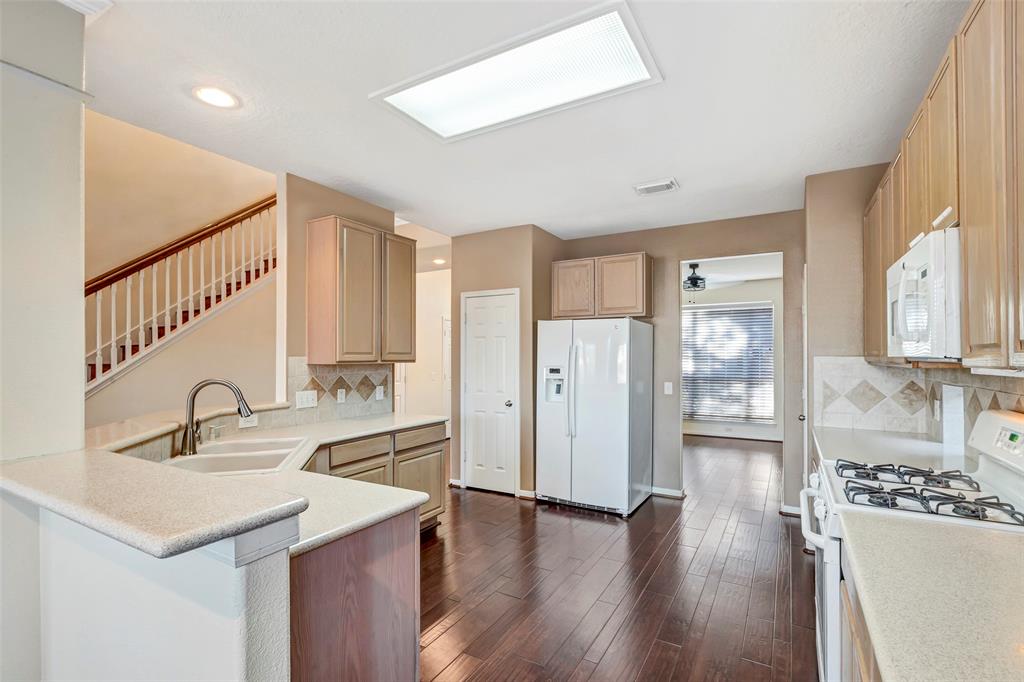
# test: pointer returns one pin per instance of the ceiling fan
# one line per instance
(693, 281)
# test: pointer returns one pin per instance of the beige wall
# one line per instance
(782, 232)
(143, 189)
(833, 210)
(498, 259)
(304, 200)
(749, 292)
(236, 344)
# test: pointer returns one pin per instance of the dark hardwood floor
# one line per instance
(713, 587)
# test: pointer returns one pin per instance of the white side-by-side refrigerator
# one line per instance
(595, 413)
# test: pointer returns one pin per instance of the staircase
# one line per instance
(139, 307)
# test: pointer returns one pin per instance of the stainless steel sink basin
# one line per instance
(234, 456)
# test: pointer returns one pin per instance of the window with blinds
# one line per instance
(728, 363)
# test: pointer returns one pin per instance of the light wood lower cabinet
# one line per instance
(423, 469)
(620, 285)
(857, 657)
(378, 470)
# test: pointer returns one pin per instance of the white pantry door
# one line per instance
(490, 396)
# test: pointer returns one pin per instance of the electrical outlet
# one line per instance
(341, 395)
(379, 393)
(668, 388)
(248, 422)
(305, 399)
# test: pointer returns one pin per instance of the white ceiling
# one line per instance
(756, 95)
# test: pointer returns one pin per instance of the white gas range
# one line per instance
(990, 496)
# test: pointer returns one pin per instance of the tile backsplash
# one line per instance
(360, 383)
(850, 393)
(980, 392)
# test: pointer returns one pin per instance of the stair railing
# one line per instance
(136, 307)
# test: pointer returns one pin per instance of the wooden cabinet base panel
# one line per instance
(355, 605)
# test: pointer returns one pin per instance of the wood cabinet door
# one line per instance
(943, 202)
(1017, 147)
(398, 333)
(359, 255)
(981, 57)
(887, 230)
(623, 283)
(900, 242)
(572, 289)
(874, 309)
(423, 469)
(374, 470)
(915, 149)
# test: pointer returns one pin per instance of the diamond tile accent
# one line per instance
(864, 396)
(338, 384)
(828, 395)
(973, 409)
(365, 387)
(994, 403)
(1019, 407)
(314, 385)
(911, 397)
(384, 383)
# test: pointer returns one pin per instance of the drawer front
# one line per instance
(417, 437)
(360, 449)
(374, 470)
(423, 469)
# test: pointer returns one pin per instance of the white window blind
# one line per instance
(728, 363)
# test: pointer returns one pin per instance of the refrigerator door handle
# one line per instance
(568, 393)
(572, 385)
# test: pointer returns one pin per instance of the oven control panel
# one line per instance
(1000, 433)
(1009, 440)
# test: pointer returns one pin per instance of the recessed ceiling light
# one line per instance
(439, 261)
(589, 56)
(215, 97)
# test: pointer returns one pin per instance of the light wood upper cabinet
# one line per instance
(874, 309)
(887, 228)
(624, 285)
(982, 61)
(346, 314)
(943, 202)
(398, 331)
(607, 286)
(915, 152)
(572, 288)
(1016, 101)
(900, 241)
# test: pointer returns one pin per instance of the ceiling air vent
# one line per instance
(656, 187)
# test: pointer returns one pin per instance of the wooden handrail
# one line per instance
(156, 255)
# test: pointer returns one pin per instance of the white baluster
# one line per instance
(202, 278)
(113, 328)
(234, 259)
(241, 228)
(223, 267)
(252, 249)
(142, 310)
(263, 227)
(177, 288)
(127, 317)
(153, 320)
(167, 295)
(98, 301)
(191, 291)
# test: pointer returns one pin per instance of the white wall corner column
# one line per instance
(281, 287)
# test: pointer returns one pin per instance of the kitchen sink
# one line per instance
(232, 457)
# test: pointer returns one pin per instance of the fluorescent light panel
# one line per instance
(589, 59)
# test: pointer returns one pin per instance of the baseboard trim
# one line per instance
(527, 494)
(456, 483)
(787, 510)
(668, 492)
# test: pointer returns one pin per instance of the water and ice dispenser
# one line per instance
(554, 384)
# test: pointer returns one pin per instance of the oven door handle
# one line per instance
(806, 514)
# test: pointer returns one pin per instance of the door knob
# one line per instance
(802, 418)
(508, 403)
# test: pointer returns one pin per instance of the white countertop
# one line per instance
(337, 506)
(887, 447)
(157, 509)
(346, 429)
(942, 601)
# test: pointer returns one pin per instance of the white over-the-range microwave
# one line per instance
(923, 311)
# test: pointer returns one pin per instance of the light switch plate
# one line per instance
(248, 422)
(305, 399)
(668, 388)
(379, 393)
(341, 395)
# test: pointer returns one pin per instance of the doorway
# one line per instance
(490, 390)
(731, 347)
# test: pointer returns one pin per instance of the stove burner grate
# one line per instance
(989, 508)
(951, 479)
